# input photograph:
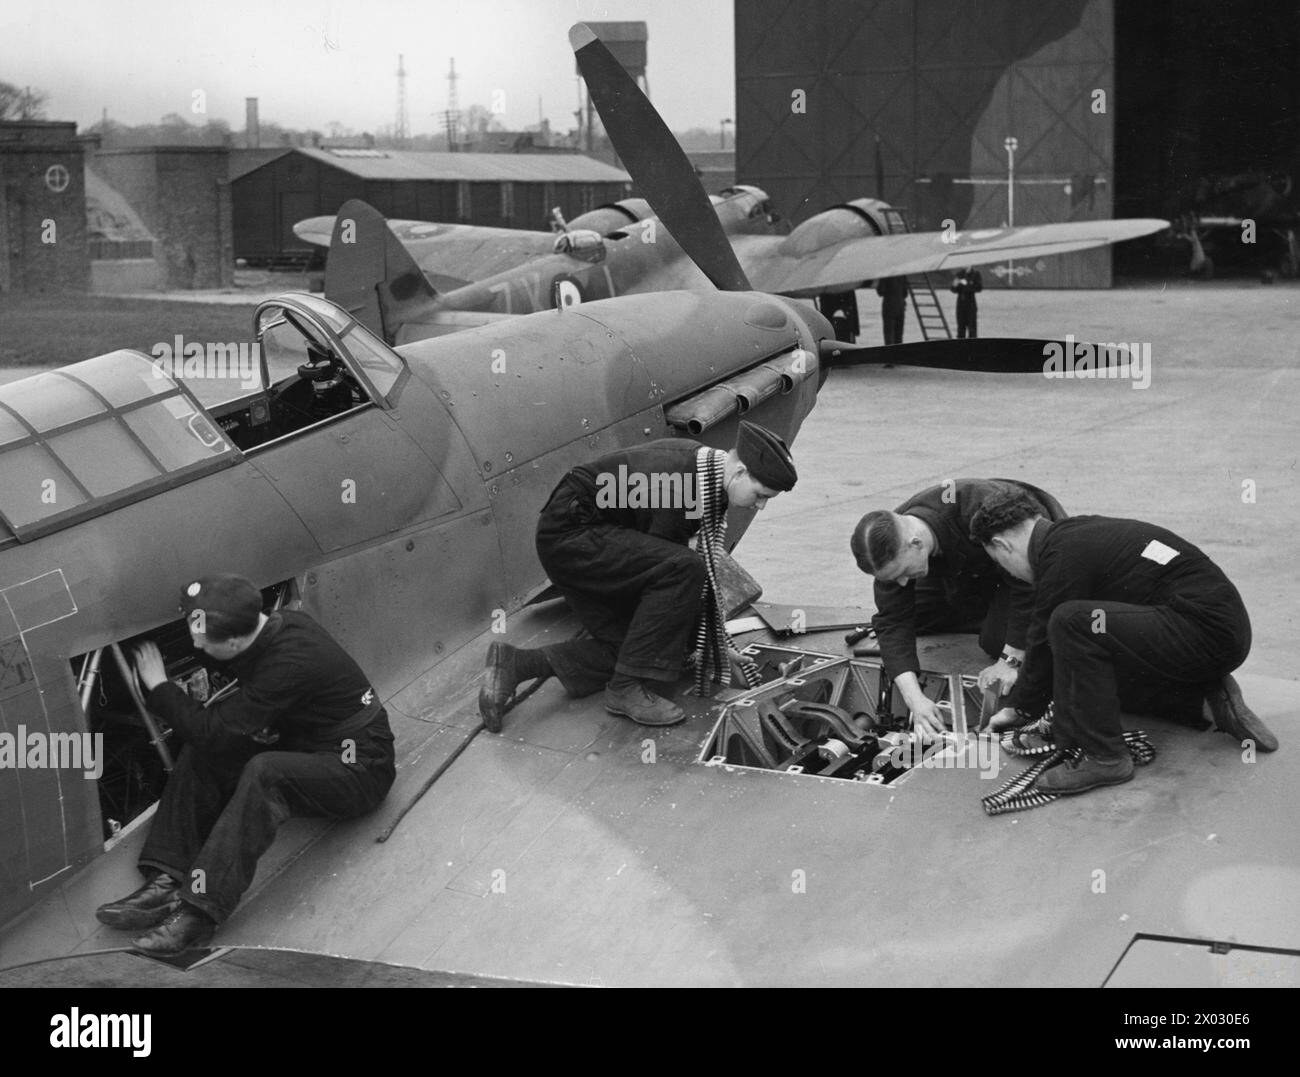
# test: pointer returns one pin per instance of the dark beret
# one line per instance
(766, 455)
(231, 605)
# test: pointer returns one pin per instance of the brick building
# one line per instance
(42, 207)
(182, 194)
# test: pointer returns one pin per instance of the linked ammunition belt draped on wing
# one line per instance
(1032, 740)
(1019, 793)
(712, 641)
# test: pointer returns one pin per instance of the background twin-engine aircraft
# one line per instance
(439, 278)
(392, 493)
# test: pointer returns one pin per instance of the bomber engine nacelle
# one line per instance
(612, 217)
(849, 220)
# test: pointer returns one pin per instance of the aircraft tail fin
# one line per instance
(370, 274)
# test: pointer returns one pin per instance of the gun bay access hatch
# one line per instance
(820, 715)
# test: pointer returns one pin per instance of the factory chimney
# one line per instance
(252, 133)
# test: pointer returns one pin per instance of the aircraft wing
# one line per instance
(774, 265)
(579, 848)
(450, 255)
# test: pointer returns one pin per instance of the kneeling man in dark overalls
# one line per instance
(1128, 617)
(613, 539)
(930, 577)
(303, 734)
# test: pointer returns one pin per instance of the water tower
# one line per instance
(627, 42)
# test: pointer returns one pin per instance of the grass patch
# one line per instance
(54, 330)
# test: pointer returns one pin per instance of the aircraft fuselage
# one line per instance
(405, 528)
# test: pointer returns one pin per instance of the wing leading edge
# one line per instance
(848, 263)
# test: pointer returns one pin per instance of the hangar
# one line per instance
(505, 190)
(1014, 111)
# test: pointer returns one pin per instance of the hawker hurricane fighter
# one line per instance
(392, 493)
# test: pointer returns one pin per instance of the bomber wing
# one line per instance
(776, 265)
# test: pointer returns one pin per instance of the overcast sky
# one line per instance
(314, 61)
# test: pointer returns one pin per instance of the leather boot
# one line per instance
(1070, 777)
(637, 702)
(149, 905)
(188, 928)
(498, 692)
(1230, 714)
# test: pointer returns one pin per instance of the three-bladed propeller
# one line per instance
(663, 173)
(666, 179)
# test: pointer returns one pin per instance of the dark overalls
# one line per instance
(964, 590)
(893, 307)
(966, 285)
(1127, 617)
(229, 792)
(626, 572)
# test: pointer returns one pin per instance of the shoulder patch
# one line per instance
(1159, 553)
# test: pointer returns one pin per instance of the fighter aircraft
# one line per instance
(428, 279)
(374, 486)
(392, 493)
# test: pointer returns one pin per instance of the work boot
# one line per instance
(498, 692)
(1230, 714)
(1086, 773)
(187, 928)
(637, 702)
(149, 905)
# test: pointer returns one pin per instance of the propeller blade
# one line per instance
(985, 355)
(663, 174)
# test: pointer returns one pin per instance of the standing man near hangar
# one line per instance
(620, 558)
(931, 577)
(303, 734)
(966, 283)
(1127, 617)
(893, 307)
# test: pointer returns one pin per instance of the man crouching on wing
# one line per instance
(931, 577)
(1128, 618)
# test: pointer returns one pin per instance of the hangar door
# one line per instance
(913, 101)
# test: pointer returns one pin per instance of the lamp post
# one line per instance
(1011, 145)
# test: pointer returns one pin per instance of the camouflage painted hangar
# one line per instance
(1116, 108)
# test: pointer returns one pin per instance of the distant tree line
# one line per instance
(174, 129)
(21, 102)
